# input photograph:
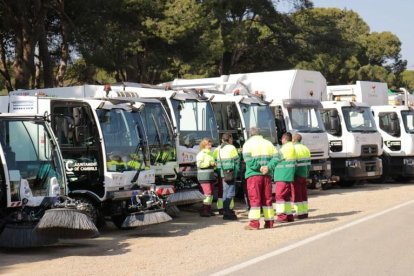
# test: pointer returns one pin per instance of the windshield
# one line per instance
(260, 116)
(195, 121)
(123, 136)
(408, 120)
(359, 119)
(306, 119)
(30, 155)
(159, 133)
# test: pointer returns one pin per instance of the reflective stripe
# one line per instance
(281, 166)
(208, 200)
(268, 212)
(254, 213)
(283, 207)
(219, 203)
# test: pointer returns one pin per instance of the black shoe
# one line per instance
(229, 217)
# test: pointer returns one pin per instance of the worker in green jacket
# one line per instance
(205, 174)
(299, 187)
(228, 162)
(257, 152)
(284, 174)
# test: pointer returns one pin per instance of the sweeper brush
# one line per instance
(145, 218)
(185, 196)
(66, 223)
(22, 236)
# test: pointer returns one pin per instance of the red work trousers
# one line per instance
(259, 191)
(300, 196)
(283, 201)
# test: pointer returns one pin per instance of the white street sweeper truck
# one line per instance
(34, 209)
(192, 118)
(105, 149)
(293, 98)
(354, 141)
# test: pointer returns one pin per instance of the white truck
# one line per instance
(105, 148)
(294, 97)
(393, 113)
(32, 182)
(191, 115)
(354, 141)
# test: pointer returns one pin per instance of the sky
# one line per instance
(395, 16)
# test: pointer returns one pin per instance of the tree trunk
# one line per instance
(25, 18)
(4, 71)
(44, 58)
(64, 47)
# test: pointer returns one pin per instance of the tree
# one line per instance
(338, 43)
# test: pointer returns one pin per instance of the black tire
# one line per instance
(402, 179)
(92, 211)
(118, 220)
(348, 183)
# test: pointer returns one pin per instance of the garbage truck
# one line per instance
(355, 144)
(393, 113)
(105, 150)
(293, 97)
(34, 207)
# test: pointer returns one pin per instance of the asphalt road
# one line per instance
(378, 244)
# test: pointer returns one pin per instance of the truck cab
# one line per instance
(355, 145)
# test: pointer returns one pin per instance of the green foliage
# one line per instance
(154, 41)
(339, 45)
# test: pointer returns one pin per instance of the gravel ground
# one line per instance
(191, 245)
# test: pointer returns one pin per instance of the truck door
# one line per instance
(76, 130)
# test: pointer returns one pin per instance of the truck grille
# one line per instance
(369, 150)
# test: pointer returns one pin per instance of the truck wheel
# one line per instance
(91, 210)
(118, 220)
(402, 179)
(347, 183)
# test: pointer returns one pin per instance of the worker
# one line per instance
(283, 169)
(219, 183)
(115, 163)
(257, 152)
(205, 174)
(299, 188)
(228, 161)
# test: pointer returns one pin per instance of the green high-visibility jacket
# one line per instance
(227, 158)
(283, 166)
(257, 152)
(303, 160)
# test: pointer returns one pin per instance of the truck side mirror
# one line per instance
(334, 126)
(232, 123)
(333, 113)
(68, 127)
(77, 115)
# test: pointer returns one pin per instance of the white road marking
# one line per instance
(305, 241)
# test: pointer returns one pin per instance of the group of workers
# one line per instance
(286, 167)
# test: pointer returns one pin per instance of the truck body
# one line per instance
(354, 142)
(105, 149)
(293, 97)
